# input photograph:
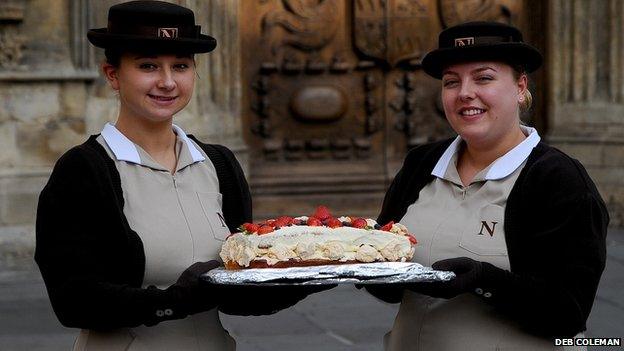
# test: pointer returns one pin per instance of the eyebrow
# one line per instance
(485, 68)
(477, 70)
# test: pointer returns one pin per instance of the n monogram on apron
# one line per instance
(485, 235)
(211, 206)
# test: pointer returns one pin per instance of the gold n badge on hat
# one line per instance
(169, 33)
(464, 41)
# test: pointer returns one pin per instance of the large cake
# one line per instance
(318, 239)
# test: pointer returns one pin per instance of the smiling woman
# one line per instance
(152, 88)
(130, 219)
(166, 80)
(520, 223)
(481, 102)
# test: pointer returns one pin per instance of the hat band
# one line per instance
(165, 32)
(470, 41)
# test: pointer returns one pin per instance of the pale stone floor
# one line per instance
(340, 319)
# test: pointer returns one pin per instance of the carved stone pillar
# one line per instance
(586, 91)
(217, 102)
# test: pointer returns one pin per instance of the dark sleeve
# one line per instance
(237, 198)
(390, 210)
(82, 252)
(558, 250)
(403, 191)
(414, 174)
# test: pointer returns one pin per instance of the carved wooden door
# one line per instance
(334, 95)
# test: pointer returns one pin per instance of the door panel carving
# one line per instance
(335, 95)
(393, 30)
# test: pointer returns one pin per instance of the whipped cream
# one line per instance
(300, 242)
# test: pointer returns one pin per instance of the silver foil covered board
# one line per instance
(357, 273)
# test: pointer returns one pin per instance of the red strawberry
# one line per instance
(359, 223)
(284, 221)
(412, 239)
(250, 227)
(270, 222)
(334, 223)
(265, 229)
(314, 222)
(388, 226)
(322, 213)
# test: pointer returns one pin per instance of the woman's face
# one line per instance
(481, 101)
(152, 87)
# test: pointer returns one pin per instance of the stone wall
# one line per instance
(586, 91)
(45, 79)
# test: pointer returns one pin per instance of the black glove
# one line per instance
(193, 295)
(246, 300)
(187, 296)
(469, 275)
(190, 277)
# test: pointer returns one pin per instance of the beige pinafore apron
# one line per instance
(179, 220)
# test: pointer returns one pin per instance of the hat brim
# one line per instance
(102, 39)
(523, 54)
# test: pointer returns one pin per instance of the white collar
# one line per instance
(126, 150)
(195, 153)
(502, 166)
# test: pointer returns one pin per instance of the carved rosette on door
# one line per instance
(335, 96)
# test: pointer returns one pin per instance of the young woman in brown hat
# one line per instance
(519, 222)
(130, 219)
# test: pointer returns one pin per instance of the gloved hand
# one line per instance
(245, 300)
(186, 296)
(194, 296)
(190, 277)
(468, 276)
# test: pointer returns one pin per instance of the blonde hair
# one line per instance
(527, 101)
(527, 98)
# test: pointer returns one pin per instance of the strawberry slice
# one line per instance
(388, 226)
(412, 239)
(334, 223)
(250, 227)
(322, 213)
(283, 221)
(265, 229)
(359, 223)
(314, 222)
(270, 222)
